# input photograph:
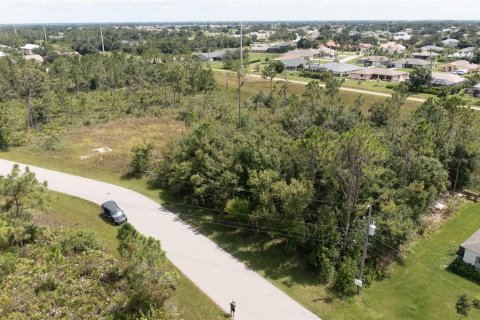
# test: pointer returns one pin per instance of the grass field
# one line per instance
(70, 211)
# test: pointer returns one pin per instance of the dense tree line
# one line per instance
(306, 173)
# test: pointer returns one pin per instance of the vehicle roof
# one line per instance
(110, 205)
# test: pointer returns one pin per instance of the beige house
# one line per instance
(34, 57)
(379, 74)
(392, 48)
(461, 65)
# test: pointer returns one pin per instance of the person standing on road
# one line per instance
(232, 308)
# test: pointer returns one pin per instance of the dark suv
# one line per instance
(112, 212)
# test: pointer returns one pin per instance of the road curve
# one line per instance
(219, 275)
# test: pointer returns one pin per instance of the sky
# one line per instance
(96, 11)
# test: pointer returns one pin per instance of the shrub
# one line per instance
(460, 267)
(141, 158)
(78, 241)
(344, 279)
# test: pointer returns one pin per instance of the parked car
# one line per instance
(460, 72)
(113, 213)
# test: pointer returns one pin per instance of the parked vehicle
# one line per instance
(460, 72)
(113, 213)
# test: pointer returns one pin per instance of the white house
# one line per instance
(470, 250)
(28, 48)
(450, 43)
(401, 36)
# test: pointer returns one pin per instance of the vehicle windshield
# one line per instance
(117, 213)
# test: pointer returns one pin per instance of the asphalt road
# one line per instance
(219, 275)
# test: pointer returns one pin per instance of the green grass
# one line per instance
(74, 212)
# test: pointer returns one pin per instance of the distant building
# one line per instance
(375, 73)
(211, 56)
(424, 55)
(34, 57)
(470, 250)
(444, 79)
(461, 65)
(475, 90)
(332, 44)
(450, 43)
(293, 64)
(431, 48)
(392, 48)
(338, 69)
(463, 53)
(401, 36)
(300, 53)
(373, 61)
(28, 48)
(410, 63)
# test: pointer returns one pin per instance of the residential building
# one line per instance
(339, 69)
(463, 53)
(445, 79)
(326, 52)
(461, 65)
(293, 64)
(28, 48)
(375, 73)
(410, 63)
(470, 250)
(300, 53)
(211, 56)
(424, 55)
(365, 47)
(332, 44)
(392, 48)
(373, 61)
(432, 48)
(34, 57)
(401, 36)
(450, 43)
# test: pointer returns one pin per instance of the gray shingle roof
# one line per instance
(473, 243)
(340, 67)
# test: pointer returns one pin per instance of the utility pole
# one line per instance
(15, 30)
(370, 231)
(101, 36)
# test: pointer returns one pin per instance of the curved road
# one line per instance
(214, 271)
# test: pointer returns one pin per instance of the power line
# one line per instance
(226, 223)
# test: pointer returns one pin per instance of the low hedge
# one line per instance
(466, 270)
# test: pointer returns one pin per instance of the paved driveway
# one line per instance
(214, 271)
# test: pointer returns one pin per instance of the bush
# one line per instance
(344, 279)
(141, 159)
(78, 241)
(460, 267)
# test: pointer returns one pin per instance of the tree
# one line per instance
(419, 77)
(463, 306)
(141, 158)
(271, 70)
(31, 84)
(22, 191)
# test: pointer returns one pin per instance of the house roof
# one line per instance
(464, 64)
(299, 53)
(30, 46)
(211, 55)
(473, 243)
(431, 48)
(381, 71)
(392, 46)
(35, 57)
(340, 67)
(375, 59)
(293, 63)
(450, 41)
(424, 54)
(445, 78)
(413, 61)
